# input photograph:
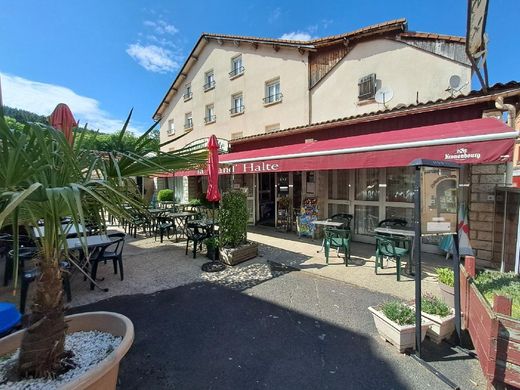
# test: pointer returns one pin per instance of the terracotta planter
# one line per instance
(400, 336)
(103, 376)
(441, 327)
(233, 256)
(447, 294)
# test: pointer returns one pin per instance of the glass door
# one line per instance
(248, 184)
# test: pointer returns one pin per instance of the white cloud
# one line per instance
(153, 58)
(42, 98)
(161, 27)
(297, 36)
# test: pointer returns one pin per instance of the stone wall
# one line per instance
(484, 180)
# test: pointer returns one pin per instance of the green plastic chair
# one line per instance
(337, 238)
(390, 247)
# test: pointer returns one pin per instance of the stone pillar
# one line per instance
(484, 180)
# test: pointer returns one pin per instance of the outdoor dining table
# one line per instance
(402, 232)
(180, 221)
(67, 229)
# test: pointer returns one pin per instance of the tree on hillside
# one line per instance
(24, 116)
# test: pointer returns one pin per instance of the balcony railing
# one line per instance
(209, 85)
(210, 119)
(277, 97)
(237, 110)
(188, 125)
(237, 71)
(170, 131)
(187, 96)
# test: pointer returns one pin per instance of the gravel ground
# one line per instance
(89, 348)
(265, 326)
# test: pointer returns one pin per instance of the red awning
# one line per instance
(476, 141)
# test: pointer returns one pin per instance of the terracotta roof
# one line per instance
(399, 24)
(496, 89)
(424, 35)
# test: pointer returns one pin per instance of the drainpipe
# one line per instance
(511, 117)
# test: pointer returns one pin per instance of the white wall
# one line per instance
(406, 69)
(261, 65)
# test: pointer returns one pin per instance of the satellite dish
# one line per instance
(384, 95)
(455, 81)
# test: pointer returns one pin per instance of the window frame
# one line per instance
(209, 114)
(188, 121)
(236, 71)
(209, 80)
(188, 94)
(277, 97)
(367, 86)
(237, 109)
(171, 127)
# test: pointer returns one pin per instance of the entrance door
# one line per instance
(266, 199)
(248, 184)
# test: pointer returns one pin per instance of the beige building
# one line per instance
(234, 86)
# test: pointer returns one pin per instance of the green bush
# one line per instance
(399, 312)
(446, 276)
(433, 305)
(165, 195)
(490, 283)
(233, 217)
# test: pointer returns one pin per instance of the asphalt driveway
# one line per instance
(290, 330)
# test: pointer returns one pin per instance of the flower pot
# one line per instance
(102, 376)
(233, 256)
(441, 327)
(212, 253)
(400, 336)
(447, 294)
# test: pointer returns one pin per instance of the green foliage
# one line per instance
(195, 202)
(14, 124)
(399, 312)
(211, 242)
(233, 217)
(165, 195)
(23, 116)
(492, 283)
(446, 276)
(432, 305)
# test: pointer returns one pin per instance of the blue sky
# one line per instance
(105, 57)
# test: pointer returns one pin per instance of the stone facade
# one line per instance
(484, 180)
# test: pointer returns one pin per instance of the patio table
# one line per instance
(67, 229)
(402, 232)
(90, 241)
(180, 221)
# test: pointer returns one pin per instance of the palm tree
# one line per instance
(42, 177)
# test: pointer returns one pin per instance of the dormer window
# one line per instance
(209, 81)
(236, 67)
(367, 87)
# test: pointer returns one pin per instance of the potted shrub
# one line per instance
(233, 217)
(165, 195)
(441, 316)
(43, 177)
(212, 248)
(446, 285)
(395, 322)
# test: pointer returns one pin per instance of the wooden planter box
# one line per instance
(233, 256)
(400, 336)
(441, 327)
(496, 336)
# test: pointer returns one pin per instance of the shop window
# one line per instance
(366, 219)
(337, 208)
(401, 213)
(399, 184)
(367, 184)
(339, 184)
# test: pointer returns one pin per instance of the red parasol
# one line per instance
(213, 194)
(62, 119)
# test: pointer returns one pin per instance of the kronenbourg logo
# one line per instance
(461, 154)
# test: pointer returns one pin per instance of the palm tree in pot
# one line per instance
(44, 178)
